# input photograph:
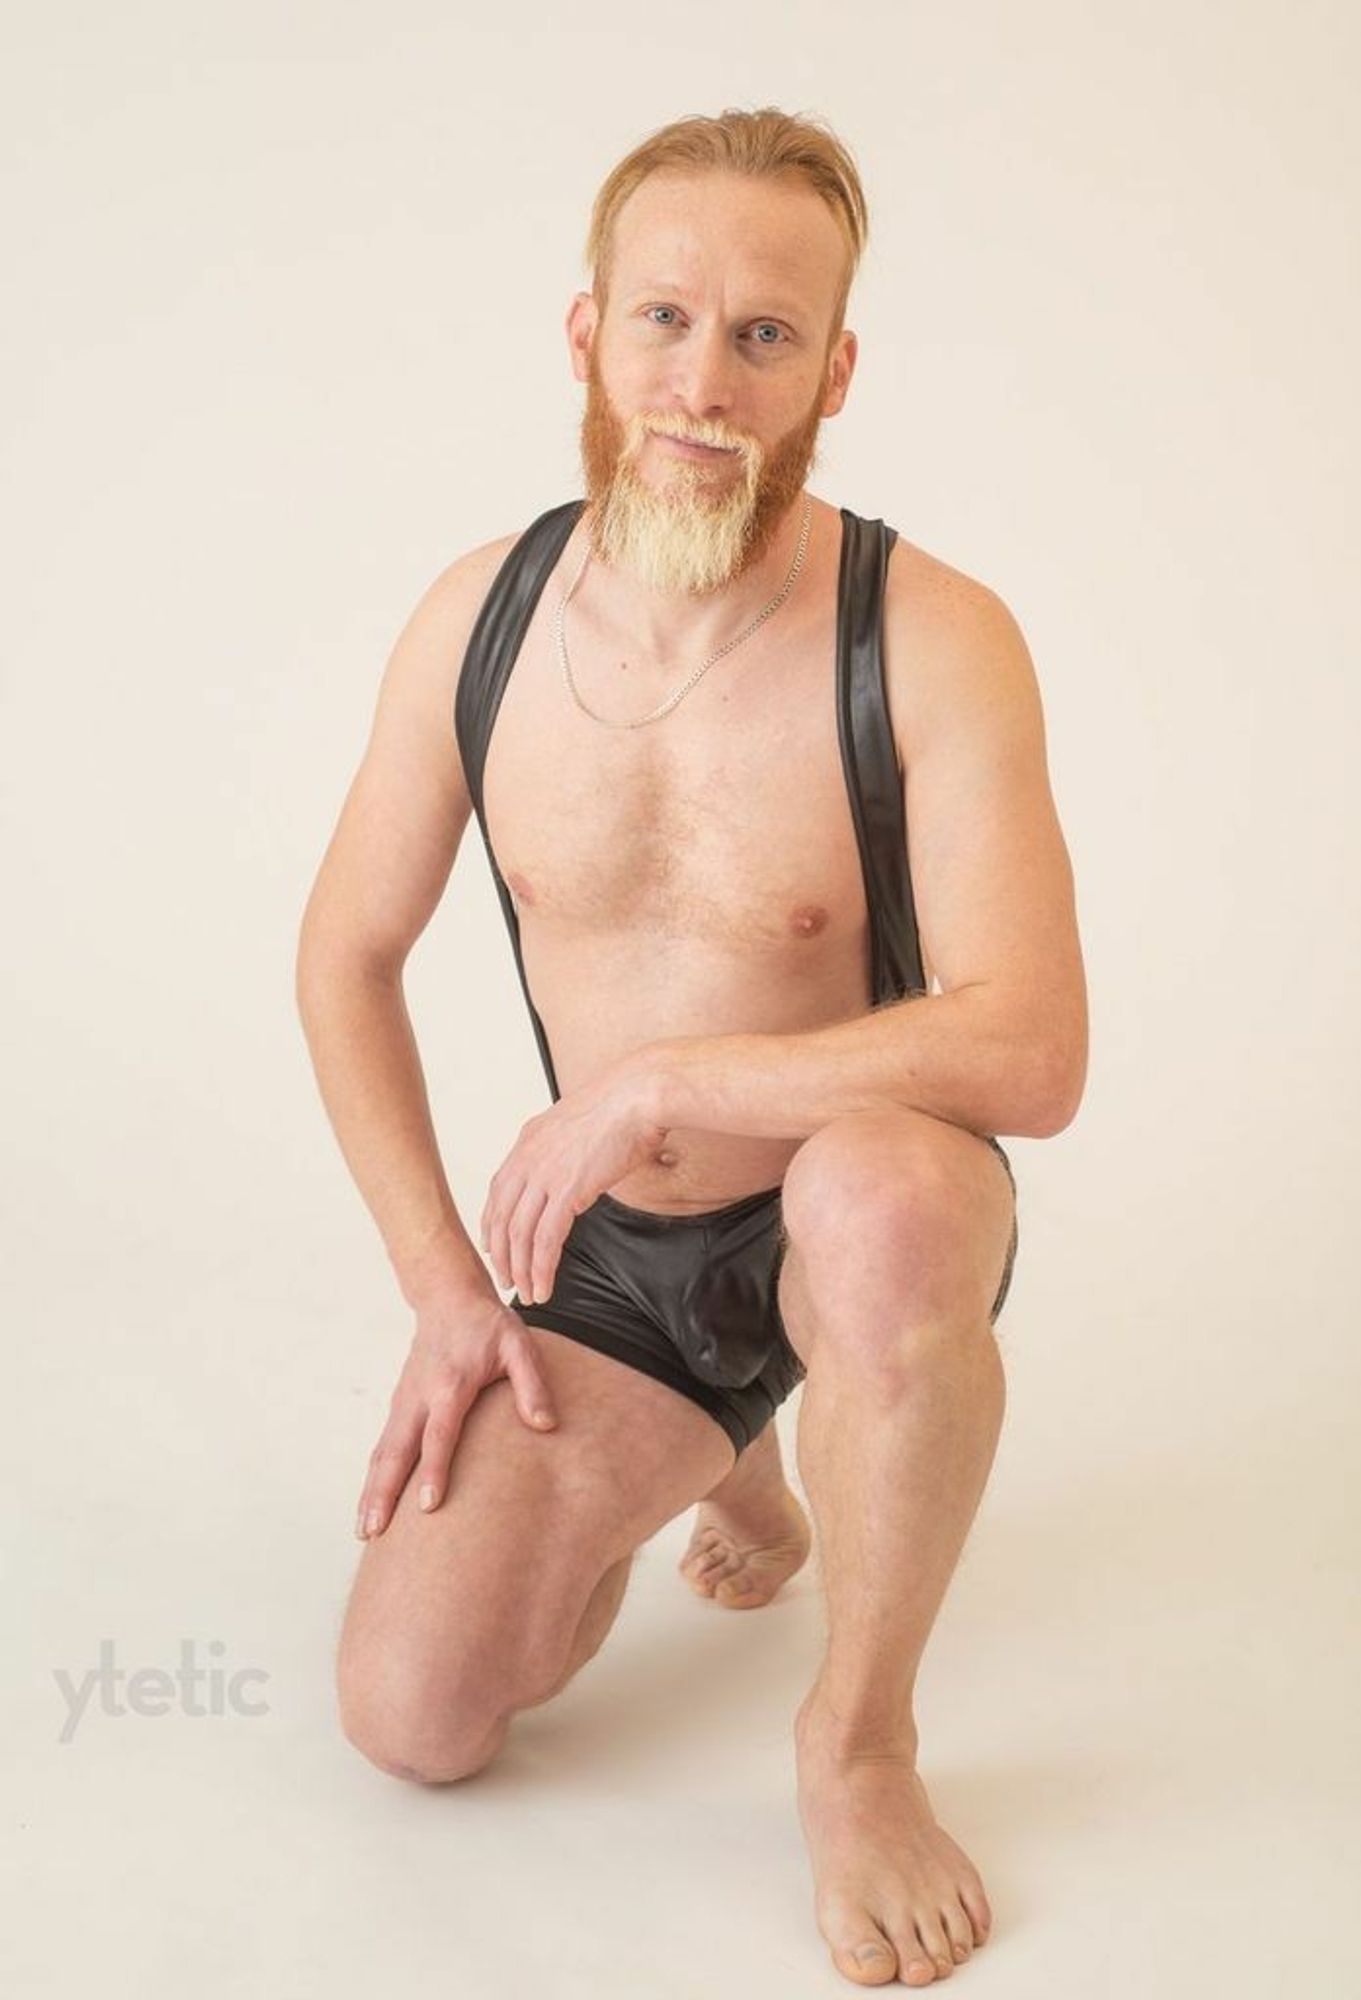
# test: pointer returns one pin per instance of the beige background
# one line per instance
(284, 336)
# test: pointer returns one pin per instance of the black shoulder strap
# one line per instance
(499, 632)
(495, 640)
(874, 777)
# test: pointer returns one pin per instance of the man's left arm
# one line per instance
(1002, 1048)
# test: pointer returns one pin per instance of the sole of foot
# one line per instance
(740, 1558)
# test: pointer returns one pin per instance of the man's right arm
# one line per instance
(379, 883)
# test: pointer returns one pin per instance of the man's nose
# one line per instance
(704, 378)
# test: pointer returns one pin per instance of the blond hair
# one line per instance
(767, 144)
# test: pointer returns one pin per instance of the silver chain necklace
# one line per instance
(671, 700)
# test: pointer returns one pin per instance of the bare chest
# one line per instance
(723, 828)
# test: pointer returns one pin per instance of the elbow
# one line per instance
(323, 966)
(310, 974)
(307, 953)
(1059, 1081)
(309, 983)
(317, 971)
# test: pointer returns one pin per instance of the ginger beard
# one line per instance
(700, 525)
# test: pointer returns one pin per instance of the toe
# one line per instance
(976, 1904)
(739, 1591)
(701, 1584)
(936, 1945)
(958, 1928)
(868, 1960)
(720, 1567)
(917, 1969)
(701, 1573)
(914, 1960)
(734, 1588)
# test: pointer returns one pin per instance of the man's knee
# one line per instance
(439, 1712)
(411, 1727)
(875, 1180)
(898, 1210)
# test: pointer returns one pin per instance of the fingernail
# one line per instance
(542, 1417)
(371, 1524)
(427, 1496)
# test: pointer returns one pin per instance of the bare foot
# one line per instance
(895, 1896)
(750, 1533)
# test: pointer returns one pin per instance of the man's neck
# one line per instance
(665, 628)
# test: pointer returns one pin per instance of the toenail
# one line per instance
(867, 1953)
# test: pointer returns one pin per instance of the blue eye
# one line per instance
(761, 327)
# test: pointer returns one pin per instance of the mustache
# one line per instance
(654, 424)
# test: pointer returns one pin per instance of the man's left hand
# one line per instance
(565, 1157)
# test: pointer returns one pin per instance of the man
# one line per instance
(735, 712)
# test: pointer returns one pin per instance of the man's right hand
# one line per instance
(460, 1345)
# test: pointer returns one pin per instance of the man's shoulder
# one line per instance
(450, 604)
(925, 584)
(466, 579)
(469, 575)
(434, 639)
(951, 643)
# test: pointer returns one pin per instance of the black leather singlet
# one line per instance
(868, 755)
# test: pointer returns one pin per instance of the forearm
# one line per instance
(368, 1069)
(962, 1056)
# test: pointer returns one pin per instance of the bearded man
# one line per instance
(763, 788)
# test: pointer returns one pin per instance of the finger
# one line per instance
(530, 1390)
(520, 1236)
(390, 1464)
(484, 1225)
(502, 1207)
(439, 1442)
(549, 1237)
(497, 1189)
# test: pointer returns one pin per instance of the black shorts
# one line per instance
(691, 1300)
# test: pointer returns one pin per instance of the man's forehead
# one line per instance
(667, 233)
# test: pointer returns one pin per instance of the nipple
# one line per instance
(808, 919)
(666, 1159)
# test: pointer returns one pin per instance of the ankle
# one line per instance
(845, 1733)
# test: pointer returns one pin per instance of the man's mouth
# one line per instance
(690, 449)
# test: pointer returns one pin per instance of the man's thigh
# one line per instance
(469, 1612)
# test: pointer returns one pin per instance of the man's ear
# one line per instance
(583, 317)
(840, 368)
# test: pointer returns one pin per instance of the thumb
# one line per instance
(532, 1399)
